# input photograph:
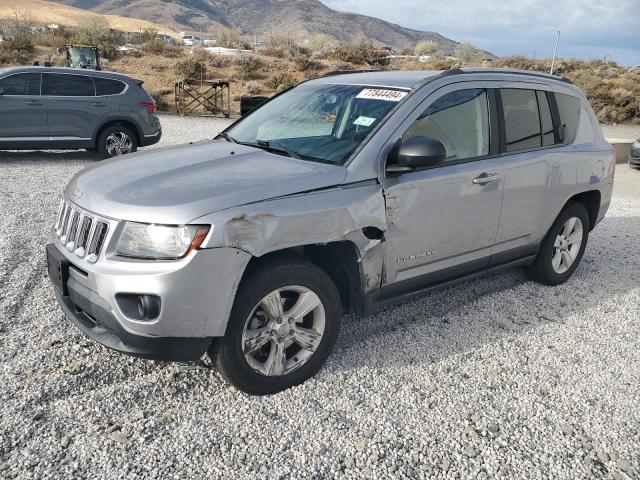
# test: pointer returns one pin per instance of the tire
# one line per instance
(255, 310)
(126, 141)
(546, 269)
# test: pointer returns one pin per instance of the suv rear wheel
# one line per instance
(284, 324)
(562, 247)
(116, 140)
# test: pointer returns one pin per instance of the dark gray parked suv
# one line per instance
(65, 108)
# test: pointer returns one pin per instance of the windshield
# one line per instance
(82, 57)
(323, 123)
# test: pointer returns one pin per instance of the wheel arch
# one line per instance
(119, 121)
(339, 260)
(591, 201)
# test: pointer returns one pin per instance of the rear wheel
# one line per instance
(284, 324)
(562, 247)
(116, 140)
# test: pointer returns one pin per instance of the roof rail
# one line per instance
(530, 73)
(345, 72)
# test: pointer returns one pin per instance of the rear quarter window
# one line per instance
(569, 111)
(106, 86)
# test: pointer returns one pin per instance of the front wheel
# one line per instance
(116, 140)
(562, 247)
(283, 326)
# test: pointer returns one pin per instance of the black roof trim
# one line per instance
(346, 72)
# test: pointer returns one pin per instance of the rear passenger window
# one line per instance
(62, 85)
(21, 84)
(546, 122)
(460, 120)
(105, 86)
(569, 110)
(521, 120)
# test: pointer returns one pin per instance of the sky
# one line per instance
(588, 28)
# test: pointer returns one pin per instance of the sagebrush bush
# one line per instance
(359, 53)
(281, 81)
(253, 88)
(18, 48)
(191, 68)
(249, 67)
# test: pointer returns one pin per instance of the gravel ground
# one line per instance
(495, 378)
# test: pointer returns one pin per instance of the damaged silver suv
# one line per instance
(344, 193)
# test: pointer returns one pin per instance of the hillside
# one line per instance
(304, 19)
(41, 11)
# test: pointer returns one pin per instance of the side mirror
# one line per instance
(421, 152)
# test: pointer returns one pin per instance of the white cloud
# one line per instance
(589, 29)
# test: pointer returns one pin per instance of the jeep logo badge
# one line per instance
(77, 194)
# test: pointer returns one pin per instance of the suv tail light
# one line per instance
(150, 106)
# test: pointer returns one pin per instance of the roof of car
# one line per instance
(84, 71)
(414, 79)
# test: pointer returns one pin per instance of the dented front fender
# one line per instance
(342, 213)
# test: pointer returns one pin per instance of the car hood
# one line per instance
(175, 185)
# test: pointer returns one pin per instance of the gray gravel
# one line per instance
(495, 378)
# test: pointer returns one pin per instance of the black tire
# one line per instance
(118, 130)
(227, 353)
(542, 270)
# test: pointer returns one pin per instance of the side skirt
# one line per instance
(377, 300)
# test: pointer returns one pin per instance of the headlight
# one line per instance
(636, 145)
(159, 242)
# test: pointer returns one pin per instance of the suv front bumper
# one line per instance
(196, 295)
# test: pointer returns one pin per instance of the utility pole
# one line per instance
(555, 52)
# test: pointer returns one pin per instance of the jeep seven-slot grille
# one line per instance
(80, 232)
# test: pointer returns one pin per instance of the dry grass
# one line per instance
(40, 11)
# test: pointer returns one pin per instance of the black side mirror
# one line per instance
(420, 152)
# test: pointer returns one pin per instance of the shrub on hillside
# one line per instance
(18, 48)
(253, 88)
(280, 46)
(228, 38)
(426, 47)
(468, 53)
(304, 63)
(281, 81)
(191, 68)
(249, 67)
(96, 32)
(359, 53)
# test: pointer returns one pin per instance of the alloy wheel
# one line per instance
(567, 245)
(283, 331)
(119, 143)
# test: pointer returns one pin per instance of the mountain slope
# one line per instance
(49, 12)
(301, 18)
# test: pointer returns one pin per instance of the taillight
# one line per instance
(150, 106)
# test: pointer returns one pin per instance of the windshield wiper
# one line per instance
(227, 137)
(272, 147)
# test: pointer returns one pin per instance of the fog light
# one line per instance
(139, 306)
(148, 307)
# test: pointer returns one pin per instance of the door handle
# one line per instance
(485, 178)
(99, 104)
(34, 102)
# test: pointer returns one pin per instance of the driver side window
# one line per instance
(460, 121)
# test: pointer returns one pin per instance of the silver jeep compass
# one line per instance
(345, 193)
